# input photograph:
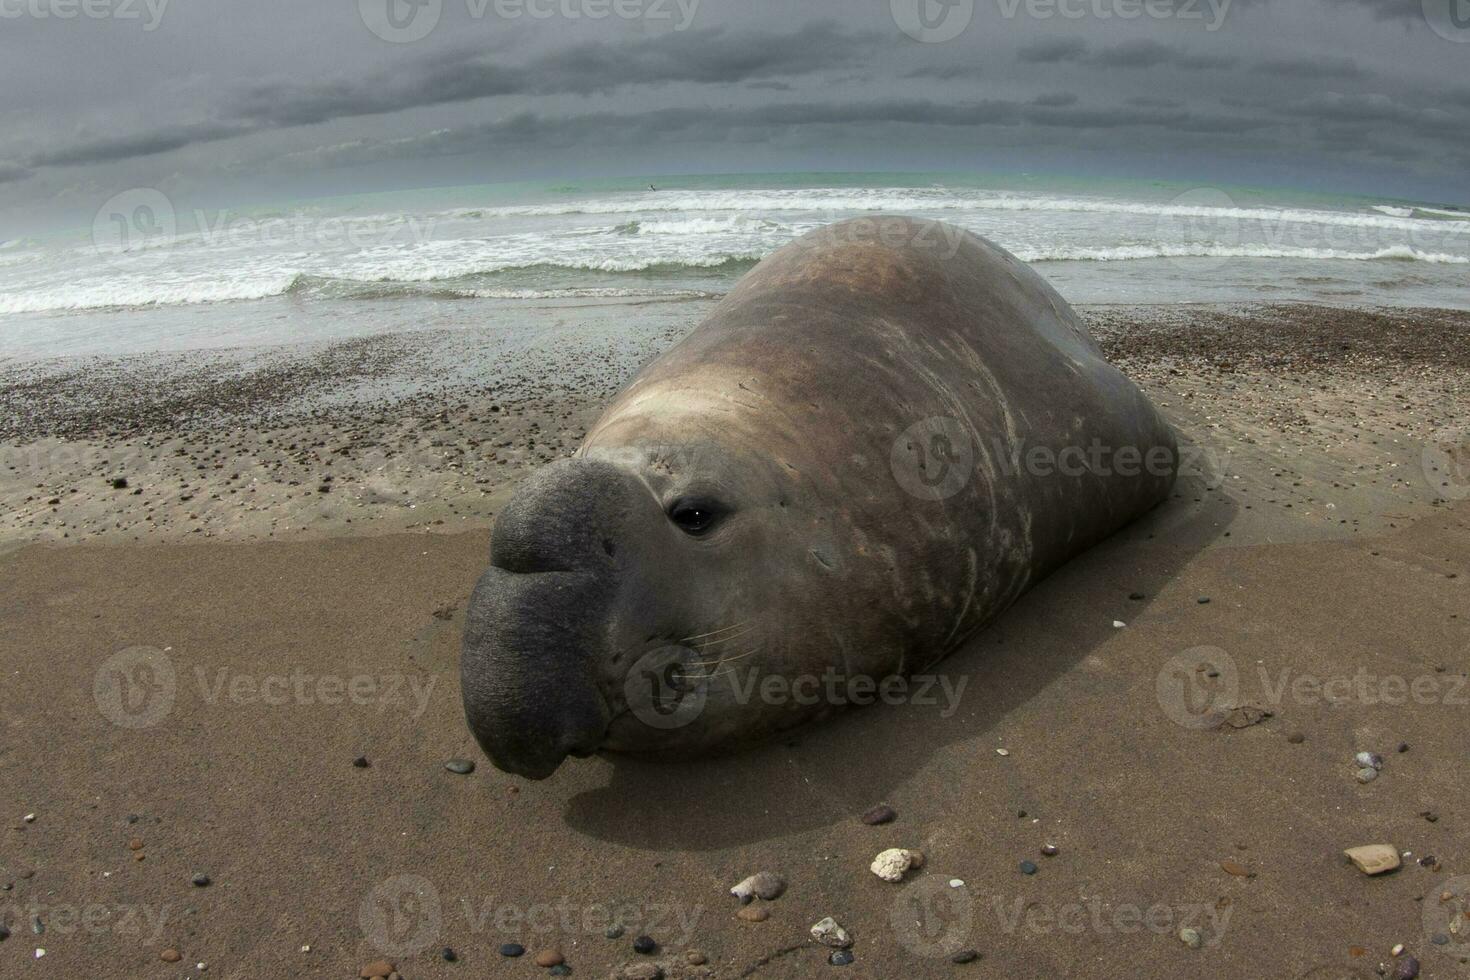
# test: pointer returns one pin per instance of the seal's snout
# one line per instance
(535, 631)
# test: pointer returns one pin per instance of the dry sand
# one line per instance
(195, 677)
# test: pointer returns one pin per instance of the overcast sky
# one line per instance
(231, 101)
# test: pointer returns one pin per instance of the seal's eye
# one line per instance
(695, 517)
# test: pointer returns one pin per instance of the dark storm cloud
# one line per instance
(712, 56)
(1312, 85)
(1405, 10)
(945, 73)
(1137, 54)
(1314, 68)
(143, 144)
(1052, 50)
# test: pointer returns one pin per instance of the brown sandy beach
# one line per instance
(225, 577)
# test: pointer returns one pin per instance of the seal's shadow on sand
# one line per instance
(834, 770)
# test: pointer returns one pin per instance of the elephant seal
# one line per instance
(885, 433)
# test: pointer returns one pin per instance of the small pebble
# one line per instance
(1050, 850)
(4, 932)
(965, 956)
(1296, 738)
(200, 880)
(644, 945)
(763, 885)
(37, 926)
(1369, 760)
(613, 932)
(754, 913)
(891, 864)
(1373, 859)
(1134, 597)
(1367, 775)
(695, 958)
(841, 957)
(29, 818)
(512, 950)
(1203, 600)
(460, 767)
(549, 957)
(449, 954)
(361, 762)
(880, 814)
(1403, 746)
(642, 971)
(829, 933)
(957, 883)
(1002, 752)
(560, 970)
(1407, 969)
(170, 956)
(1191, 937)
(1028, 868)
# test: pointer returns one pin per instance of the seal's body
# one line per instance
(885, 433)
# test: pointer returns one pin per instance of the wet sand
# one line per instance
(196, 677)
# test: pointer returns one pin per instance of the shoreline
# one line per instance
(431, 430)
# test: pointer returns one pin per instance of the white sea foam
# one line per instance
(1124, 253)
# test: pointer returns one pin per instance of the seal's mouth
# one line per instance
(528, 673)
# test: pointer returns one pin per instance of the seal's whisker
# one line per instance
(723, 639)
(725, 629)
(724, 660)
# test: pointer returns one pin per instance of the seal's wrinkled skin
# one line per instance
(829, 472)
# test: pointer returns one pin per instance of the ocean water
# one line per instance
(150, 275)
